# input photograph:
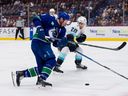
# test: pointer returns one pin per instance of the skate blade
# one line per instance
(13, 78)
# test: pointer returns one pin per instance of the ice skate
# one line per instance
(80, 66)
(19, 76)
(44, 83)
(57, 69)
(40, 81)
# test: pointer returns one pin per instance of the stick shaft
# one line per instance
(103, 65)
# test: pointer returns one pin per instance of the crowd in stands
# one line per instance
(97, 12)
(115, 13)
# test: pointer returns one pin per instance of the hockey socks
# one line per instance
(33, 72)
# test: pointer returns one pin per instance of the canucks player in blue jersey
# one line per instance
(47, 26)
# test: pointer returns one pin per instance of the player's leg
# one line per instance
(78, 59)
(17, 31)
(60, 59)
(31, 72)
(47, 64)
(22, 33)
(46, 71)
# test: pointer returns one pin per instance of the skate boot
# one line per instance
(43, 82)
(80, 66)
(57, 69)
(38, 81)
(19, 76)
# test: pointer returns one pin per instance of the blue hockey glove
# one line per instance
(60, 43)
(63, 42)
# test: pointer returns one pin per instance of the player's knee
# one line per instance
(50, 63)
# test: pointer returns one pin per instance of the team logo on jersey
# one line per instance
(52, 23)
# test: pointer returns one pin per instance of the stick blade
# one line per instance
(121, 46)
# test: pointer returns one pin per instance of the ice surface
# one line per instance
(17, 55)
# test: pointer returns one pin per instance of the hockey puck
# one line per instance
(87, 84)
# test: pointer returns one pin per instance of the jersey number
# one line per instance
(74, 30)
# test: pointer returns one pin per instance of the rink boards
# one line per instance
(118, 33)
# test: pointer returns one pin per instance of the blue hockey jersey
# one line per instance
(47, 25)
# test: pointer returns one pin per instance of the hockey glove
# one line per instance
(72, 45)
(60, 43)
(81, 38)
(70, 37)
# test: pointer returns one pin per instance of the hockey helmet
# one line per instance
(52, 10)
(82, 19)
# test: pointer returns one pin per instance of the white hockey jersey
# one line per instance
(74, 29)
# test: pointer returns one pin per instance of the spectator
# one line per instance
(106, 9)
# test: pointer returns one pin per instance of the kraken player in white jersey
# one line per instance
(75, 34)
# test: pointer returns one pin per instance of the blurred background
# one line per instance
(97, 12)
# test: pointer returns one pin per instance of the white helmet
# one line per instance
(82, 19)
(52, 10)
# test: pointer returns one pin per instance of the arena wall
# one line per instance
(113, 33)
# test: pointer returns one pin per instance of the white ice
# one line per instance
(17, 55)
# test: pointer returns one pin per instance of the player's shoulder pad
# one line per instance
(37, 17)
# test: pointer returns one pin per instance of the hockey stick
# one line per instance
(90, 45)
(102, 65)
(118, 48)
(115, 49)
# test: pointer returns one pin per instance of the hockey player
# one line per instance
(46, 26)
(52, 12)
(75, 35)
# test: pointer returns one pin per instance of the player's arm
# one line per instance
(38, 24)
(62, 42)
(82, 25)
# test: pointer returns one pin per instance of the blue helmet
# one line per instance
(63, 15)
